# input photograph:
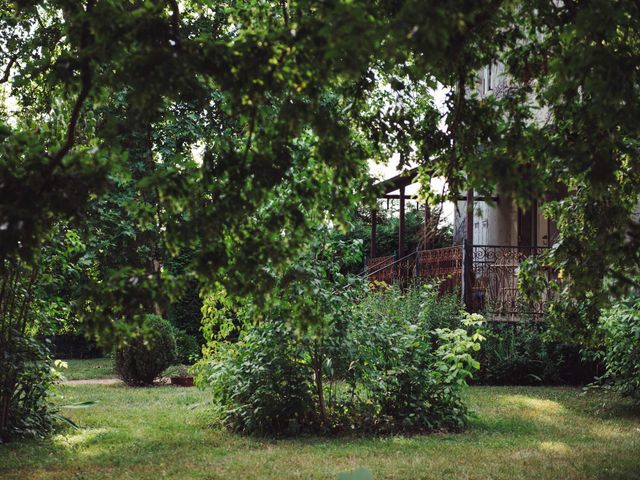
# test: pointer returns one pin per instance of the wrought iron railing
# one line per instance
(443, 265)
(494, 281)
(391, 270)
(380, 269)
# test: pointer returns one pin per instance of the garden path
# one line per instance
(109, 381)
(93, 381)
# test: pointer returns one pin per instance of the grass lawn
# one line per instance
(88, 369)
(164, 432)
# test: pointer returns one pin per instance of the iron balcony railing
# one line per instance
(494, 281)
(493, 278)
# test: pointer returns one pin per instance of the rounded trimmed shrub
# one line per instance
(145, 357)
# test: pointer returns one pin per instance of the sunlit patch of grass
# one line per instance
(88, 369)
(539, 411)
(557, 448)
(166, 432)
(534, 406)
(611, 432)
(79, 438)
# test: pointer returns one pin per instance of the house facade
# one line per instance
(484, 261)
(500, 221)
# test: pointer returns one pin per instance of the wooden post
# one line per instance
(465, 276)
(394, 268)
(427, 226)
(374, 224)
(401, 230)
(468, 254)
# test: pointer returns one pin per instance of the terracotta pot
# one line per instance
(182, 381)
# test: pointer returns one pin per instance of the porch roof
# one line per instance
(392, 184)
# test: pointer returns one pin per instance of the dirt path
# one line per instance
(94, 381)
(110, 381)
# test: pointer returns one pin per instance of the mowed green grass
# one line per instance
(88, 369)
(165, 432)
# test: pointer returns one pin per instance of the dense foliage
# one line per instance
(522, 353)
(262, 384)
(313, 299)
(30, 311)
(142, 358)
(414, 353)
(267, 130)
(407, 380)
(188, 347)
(287, 100)
(27, 375)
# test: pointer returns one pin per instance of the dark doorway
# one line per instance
(528, 226)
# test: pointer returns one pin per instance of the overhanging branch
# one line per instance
(7, 70)
(85, 88)
(175, 22)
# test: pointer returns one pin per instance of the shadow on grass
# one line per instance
(551, 412)
(148, 430)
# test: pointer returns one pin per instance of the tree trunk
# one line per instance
(317, 371)
(141, 142)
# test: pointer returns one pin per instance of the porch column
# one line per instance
(468, 254)
(374, 225)
(401, 232)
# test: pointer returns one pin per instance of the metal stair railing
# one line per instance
(393, 265)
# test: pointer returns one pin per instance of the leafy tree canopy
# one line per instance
(284, 102)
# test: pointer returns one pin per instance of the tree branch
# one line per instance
(252, 126)
(455, 122)
(285, 12)
(85, 87)
(85, 79)
(175, 22)
(7, 70)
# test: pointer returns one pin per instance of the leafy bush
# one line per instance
(521, 354)
(621, 327)
(389, 362)
(31, 311)
(27, 375)
(260, 384)
(417, 304)
(145, 356)
(415, 355)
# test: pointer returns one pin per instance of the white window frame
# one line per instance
(488, 78)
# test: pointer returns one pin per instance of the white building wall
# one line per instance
(497, 224)
(492, 224)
